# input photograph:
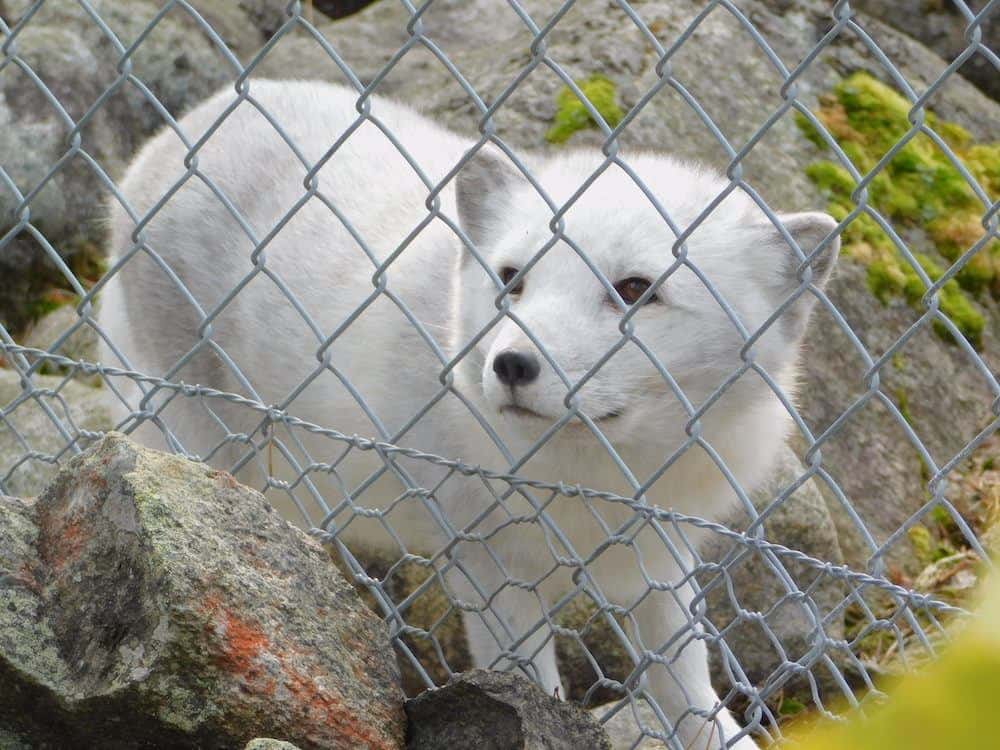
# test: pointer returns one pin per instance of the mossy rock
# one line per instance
(924, 185)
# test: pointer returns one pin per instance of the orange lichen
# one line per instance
(320, 709)
(325, 709)
(65, 546)
(241, 642)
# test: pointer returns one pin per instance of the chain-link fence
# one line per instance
(537, 396)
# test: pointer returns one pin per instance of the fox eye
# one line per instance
(632, 288)
(506, 274)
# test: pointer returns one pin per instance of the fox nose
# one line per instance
(514, 368)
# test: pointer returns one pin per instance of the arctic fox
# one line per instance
(386, 309)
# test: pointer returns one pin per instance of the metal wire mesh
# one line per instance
(306, 467)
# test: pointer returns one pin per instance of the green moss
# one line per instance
(39, 308)
(889, 278)
(942, 518)
(919, 187)
(954, 134)
(903, 404)
(926, 544)
(790, 707)
(572, 114)
(809, 130)
(875, 112)
(832, 179)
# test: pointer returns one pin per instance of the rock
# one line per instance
(269, 15)
(624, 728)
(62, 45)
(266, 743)
(501, 710)
(871, 458)
(32, 439)
(11, 741)
(147, 600)
(940, 25)
(490, 45)
(81, 344)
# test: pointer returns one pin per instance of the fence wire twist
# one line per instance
(913, 620)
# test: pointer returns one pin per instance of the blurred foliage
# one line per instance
(919, 188)
(947, 705)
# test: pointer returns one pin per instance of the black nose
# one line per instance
(514, 368)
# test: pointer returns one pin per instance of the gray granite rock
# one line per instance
(497, 711)
(941, 26)
(41, 423)
(150, 601)
(630, 727)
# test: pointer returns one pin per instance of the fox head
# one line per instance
(600, 313)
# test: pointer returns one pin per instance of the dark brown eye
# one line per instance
(632, 288)
(506, 274)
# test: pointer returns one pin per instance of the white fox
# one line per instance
(290, 338)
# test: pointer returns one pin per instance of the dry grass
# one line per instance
(952, 570)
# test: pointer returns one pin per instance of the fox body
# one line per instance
(467, 347)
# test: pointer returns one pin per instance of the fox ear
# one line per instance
(808, 230)
(482, 189)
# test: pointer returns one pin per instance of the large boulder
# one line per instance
(498, 711)
(150, 601)
(77, 61)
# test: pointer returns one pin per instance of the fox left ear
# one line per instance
(809, 230)
(482, 190)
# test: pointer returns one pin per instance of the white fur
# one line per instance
(563, 305)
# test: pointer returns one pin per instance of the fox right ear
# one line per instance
(481, 191)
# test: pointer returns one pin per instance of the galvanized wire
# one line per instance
(917, 614)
